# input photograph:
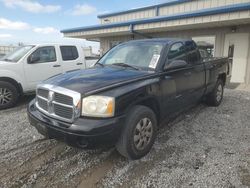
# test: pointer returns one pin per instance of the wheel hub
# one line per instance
(5, 96)
(219, 93)
(143, 133)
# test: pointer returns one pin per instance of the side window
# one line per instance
(69, 53)
(176, 52)
(43, 55)
(193, 54)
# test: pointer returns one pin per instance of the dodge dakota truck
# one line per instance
(127, 94)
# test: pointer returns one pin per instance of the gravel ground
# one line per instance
(203, 147)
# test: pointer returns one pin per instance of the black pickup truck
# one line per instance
(125, 96)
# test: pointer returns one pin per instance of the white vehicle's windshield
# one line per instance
(17, 54)
(137, 55)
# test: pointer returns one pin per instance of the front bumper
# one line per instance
(82, 133)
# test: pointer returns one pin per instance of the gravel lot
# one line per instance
(204, 147)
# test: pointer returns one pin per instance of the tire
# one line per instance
(215, 98)
(8, 95)
(138, 134)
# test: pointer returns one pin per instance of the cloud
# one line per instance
(84, 9)
(18, 25)
(31, 6)
(46, 30)
(5, 36)
(13, 25)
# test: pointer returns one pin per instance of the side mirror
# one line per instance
(33, 59)
(175, 64)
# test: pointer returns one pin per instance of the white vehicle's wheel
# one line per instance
(8, 95)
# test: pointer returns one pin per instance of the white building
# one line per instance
(226, 23)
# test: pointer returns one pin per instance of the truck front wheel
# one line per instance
(139, 133)
(215, 98)
(8, 95)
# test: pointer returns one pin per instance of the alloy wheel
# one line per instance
(219, 93)
(5, 96)
(143, 133)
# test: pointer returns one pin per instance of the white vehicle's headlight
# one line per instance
(98, 106)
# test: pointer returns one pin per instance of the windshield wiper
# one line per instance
(7, 60)
(125, 65)
(99, 64)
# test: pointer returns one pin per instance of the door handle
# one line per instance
(79, 64)
(56, 65)
(187, 74)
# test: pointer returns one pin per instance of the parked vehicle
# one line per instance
(127, 94)
(25, 67)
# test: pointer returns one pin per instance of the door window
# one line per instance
(176, 52)
(43, 55)
(69, 53)
(193, 55)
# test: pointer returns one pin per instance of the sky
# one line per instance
(34, 21)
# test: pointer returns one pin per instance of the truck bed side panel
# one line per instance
(214, 68)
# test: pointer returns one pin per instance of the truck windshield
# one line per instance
(17, 54)
(139, 55)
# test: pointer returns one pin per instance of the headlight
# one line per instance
(98, 106)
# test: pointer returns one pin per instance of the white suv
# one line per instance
(25, 67)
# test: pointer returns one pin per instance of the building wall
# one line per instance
(196, 5)
(192, 5)
(209, 21)
(248, 66)
(220, 26)
(218, 33)
(135, 15)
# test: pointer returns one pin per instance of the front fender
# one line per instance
(14, 76)
(132, 94)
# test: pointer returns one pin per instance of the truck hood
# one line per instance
(88, 80)
(6, 63)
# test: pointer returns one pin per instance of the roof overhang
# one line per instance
(179, 21)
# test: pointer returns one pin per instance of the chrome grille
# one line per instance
(63, 99)
(42, 103)
(42, 93)
(58, 102)
(63, 111)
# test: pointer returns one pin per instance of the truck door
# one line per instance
(175, 82)
(40, 65)
(71, 58)
(196, 77)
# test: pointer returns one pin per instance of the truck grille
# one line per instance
(63, 99)
(42, 103)
(62, 111)
(57, 102)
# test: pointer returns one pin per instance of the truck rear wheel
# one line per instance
(139, 133)
(8, 95)
(215, 98)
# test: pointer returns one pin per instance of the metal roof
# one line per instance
(204, 12)
(173, 2)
